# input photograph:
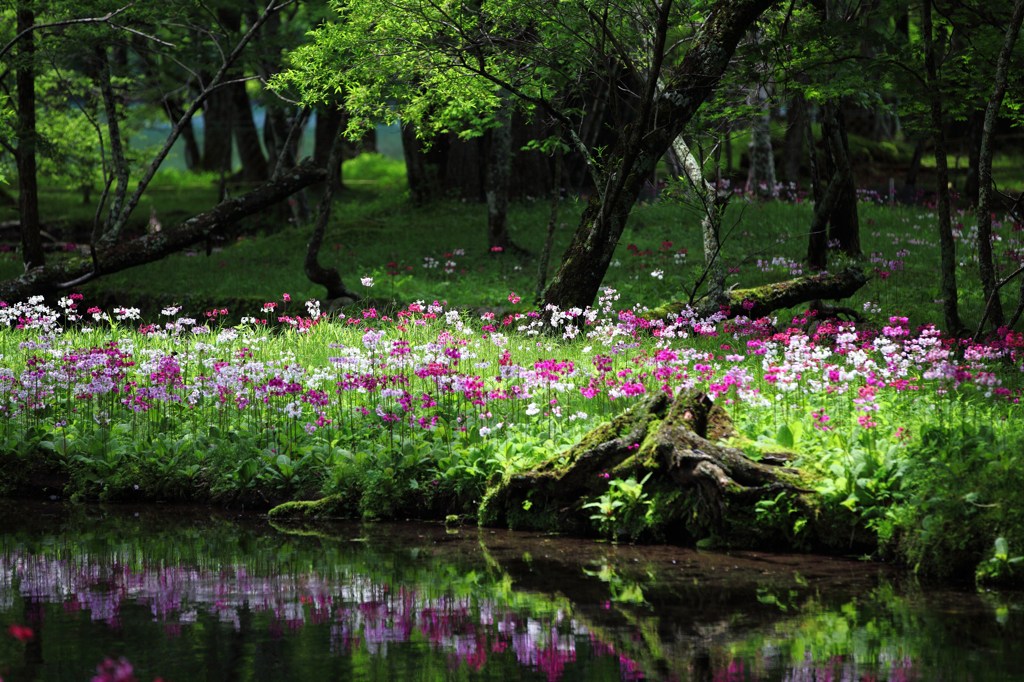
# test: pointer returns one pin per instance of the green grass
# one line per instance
(375, 231)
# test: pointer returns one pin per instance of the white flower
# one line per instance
(532, 409)
(658, 274)
(366, 281)
(484, 432)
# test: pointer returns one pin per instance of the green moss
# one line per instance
(332, 506)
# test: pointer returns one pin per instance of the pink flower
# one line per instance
(114, 671)
(866, 422)
(22, 633)
(514, 298)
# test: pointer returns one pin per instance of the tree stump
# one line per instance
(701, 487)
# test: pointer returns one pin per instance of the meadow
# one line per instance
(444, 380)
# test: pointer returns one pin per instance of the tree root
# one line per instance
(674, 440)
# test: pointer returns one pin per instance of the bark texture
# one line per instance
(674, 440)
(947, 245)
(152, 247)
(761, 301)
(28, 192)
(989, 277)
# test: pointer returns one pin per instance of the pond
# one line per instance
(184, 595)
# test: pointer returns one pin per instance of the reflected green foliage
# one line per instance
(183, 595)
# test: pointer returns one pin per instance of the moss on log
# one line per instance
(759, 301)
(330, 507)
(699, 486)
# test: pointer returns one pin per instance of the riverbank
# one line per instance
(900, 443)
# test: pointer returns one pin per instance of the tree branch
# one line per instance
(59, 24)
(271, 9)
(152, 247)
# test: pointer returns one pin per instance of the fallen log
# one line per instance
(698, 487)
(128, 253)
(756, 302)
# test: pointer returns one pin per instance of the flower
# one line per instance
(22, 633)
(366, 281)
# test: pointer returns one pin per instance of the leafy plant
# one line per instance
(1000, 567)
(624, 510)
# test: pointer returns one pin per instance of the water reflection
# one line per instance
(206, 597)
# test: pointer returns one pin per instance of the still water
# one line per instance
(184, 595)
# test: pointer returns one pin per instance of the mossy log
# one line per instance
(147, 248)
(757, 302)
(713, 488)
(330, 507)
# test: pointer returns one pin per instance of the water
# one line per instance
(188, 595)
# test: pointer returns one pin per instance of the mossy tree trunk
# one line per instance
(701, 486)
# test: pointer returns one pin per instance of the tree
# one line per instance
(993, 307)
(25, 154)
(102, 58)
(947, 246)
(450, 67)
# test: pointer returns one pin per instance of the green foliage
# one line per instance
(781, 514)
(964, 482)
(1000, 567)
(624, 511)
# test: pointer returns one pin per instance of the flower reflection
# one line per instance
(360, 613)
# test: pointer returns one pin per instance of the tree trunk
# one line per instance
(328, 128)
(975, 128)
(497, 175)
(947, 246)
(326, 131)
(247, 137)
(910, 181)
(844, 224)
(282, 134)
(28, 192)
(549, 239)
(318, 274)
(761, 173)
(217, 132)
(675, 441)
(669, 101)
(193, 157)
(989, 278)
(111, 230)
(793, 145)
(817, 243)
(712, 206)
(422, 167)
(152, 247)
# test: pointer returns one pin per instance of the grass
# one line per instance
(440, 251)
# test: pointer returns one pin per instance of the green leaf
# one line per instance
(785, 436)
